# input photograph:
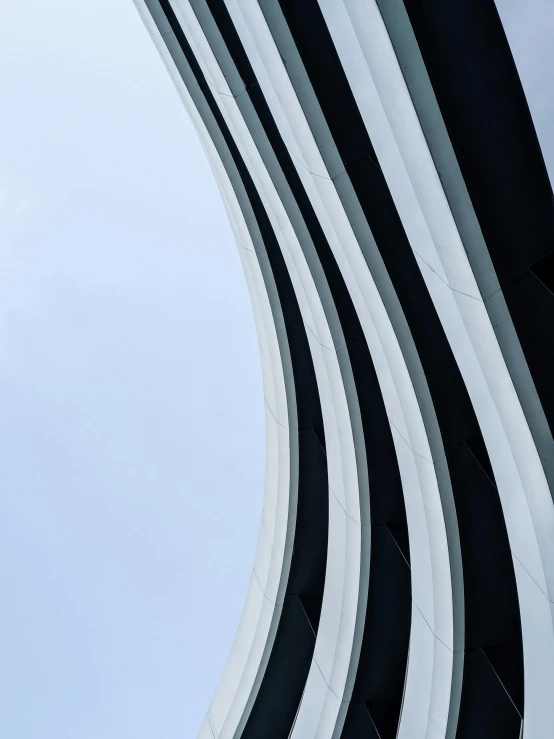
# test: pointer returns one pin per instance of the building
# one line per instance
(395, 220)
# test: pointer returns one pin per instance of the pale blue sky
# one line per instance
(131, 432)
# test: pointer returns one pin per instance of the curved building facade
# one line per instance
(395, 220)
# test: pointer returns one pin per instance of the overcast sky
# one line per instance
(131, 431)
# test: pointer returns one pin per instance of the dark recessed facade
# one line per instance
(395, 220)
